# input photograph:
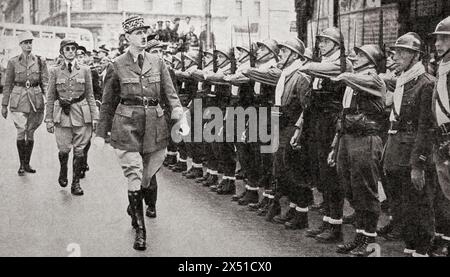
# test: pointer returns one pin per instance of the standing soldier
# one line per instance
(137, 86)
(359, 145)
(406, 158)
(441, 110)
(71, 112)
(25, 86)
(325, 108)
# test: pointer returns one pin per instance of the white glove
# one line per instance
(184, 127)
(99, 142)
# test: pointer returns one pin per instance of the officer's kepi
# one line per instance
(25, 36)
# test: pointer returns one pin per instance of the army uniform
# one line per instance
(72, 110)
(25, 86)
(136, 88)
(441, 108)
(408, 147)
(360, 146)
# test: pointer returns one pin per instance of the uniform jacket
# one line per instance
(21, 70)
(71, 86)
(138, 128)
(412, 148)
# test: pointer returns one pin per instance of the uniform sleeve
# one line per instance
(90, 94)
(44, 76)
(9, 83)
(96, 85)
(422, 146)
(368, 83)
(110, 100)
(325, 69)
(169, 92)
(51, 95)
(268, 76)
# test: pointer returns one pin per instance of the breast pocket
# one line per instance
(131, 86)
(20, 73)
(80, 84)
(61, 85)
(153, 83)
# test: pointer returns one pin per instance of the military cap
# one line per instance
(134, 23)
(295, 45)
(66, 42)
(27, 35)
(373, 52)
(443, 28)
(331, 33)
(270, 44)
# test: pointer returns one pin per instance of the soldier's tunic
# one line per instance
(132, 110)
(408, 146)
(323, 113)
(73, 125)
(25, 86)
(360, 146)
(441, 108)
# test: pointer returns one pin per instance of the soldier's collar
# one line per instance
(74, 64)
(22, 56)
(135, 58)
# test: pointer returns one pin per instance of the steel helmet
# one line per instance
(373, 52)
(443, 28)
(27, 35)
(270, 44)
(331, 33)
(409, 41)
(295, 45)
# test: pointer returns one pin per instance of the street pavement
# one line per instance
(39, 218)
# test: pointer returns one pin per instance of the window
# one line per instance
(239, 7)
(113, 5)
(178, 6)
(9, 32)
(87, 5)
(60, 35)
(149, 5)
(258, 8)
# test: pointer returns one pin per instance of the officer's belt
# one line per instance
(66, 103)
(401, 127)
(139, 101)
(26, 84)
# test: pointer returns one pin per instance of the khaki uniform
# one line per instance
(75, 128)
(143, 126)
(25, 84)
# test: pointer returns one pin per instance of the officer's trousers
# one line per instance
(358, 167)
(76, 137)
(415, 211)
(27, 123)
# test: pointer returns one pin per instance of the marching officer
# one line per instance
(408, 148)
(24, 90)
(138, 89)
(441, 112)
(71, 112)
(359, 145)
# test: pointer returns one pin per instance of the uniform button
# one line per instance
(142, 77)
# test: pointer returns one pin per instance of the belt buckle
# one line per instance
(27, 84)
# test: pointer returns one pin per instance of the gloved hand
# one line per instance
(418, 178)
(50, 127)
(332, 158)
(184, 127)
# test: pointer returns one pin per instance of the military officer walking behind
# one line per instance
(71, 112)
(137, 85)
(25, 86)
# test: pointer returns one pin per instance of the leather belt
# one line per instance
(26, 84)
(137, 101)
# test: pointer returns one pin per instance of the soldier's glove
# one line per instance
(295, 140)
(5, 111)
(418, 178)
(332, 158)
(99, 142)
(65, 105)
(50, 127)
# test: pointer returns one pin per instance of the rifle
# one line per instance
(252, 55)
(233, 61)
(183, 64)
(381, 44)
(316, 51)
(342, 56)
(215, 65)
(200, 57)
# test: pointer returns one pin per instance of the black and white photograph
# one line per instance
(225, 129)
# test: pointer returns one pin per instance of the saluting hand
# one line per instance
(4, 112)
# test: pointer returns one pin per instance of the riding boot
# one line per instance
(21, 151)
(137, 210)
(63, 160)
(77, 164)
(228, 188)
(331, 235)
(299, 221)
(28, 150)
(350, 246)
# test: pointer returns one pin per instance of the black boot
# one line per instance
(203, 178)
(331, 235)
(361, 250)
(350, 246)
(253, 207)
(28, 150)
(77, 164)
(85, 166)
(349, 219)
(237, 197)
(274, 209)
(281, 219)
(180, 167)
(150, 195)
(137, 210)
(216, 185)
(196, 172)
(227, 188)
(251, 196)
(312, 233)
(439, 247)
(63, 159)
(298, 222)
(264, 209)
(211, 181)
(21, 151)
